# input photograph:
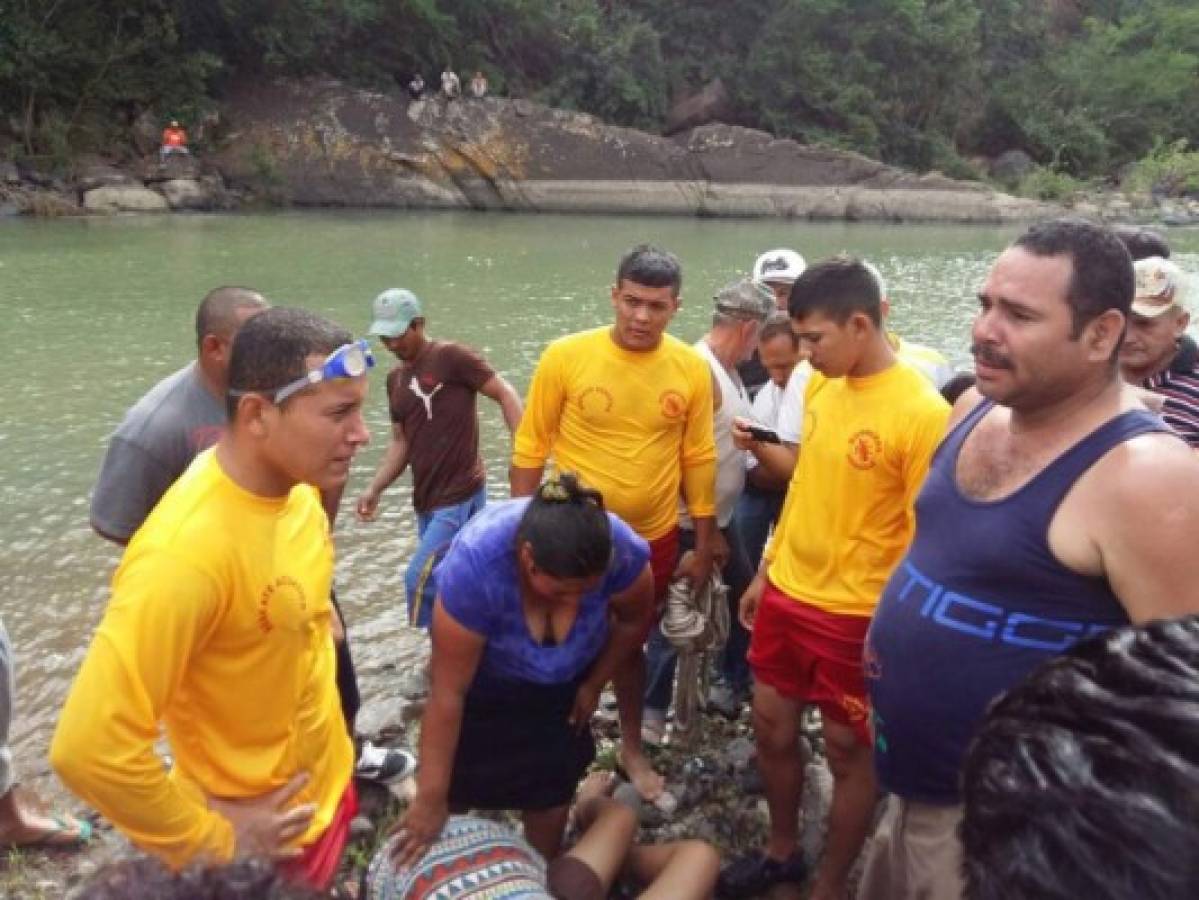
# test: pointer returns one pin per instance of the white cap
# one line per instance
(1160, 285)
(781, 265)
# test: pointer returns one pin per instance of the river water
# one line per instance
(96, 310)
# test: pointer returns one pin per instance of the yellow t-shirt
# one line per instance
(635, 425)
(218, 627)
(848, 517)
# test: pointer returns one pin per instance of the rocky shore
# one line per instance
(322, 144)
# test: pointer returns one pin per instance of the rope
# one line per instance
(696, 623)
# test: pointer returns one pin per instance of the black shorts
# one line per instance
(516, 750)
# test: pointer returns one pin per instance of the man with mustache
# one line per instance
(1056, 507)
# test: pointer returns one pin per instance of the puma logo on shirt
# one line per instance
(427, 399)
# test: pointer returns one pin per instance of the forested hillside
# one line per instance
(1083, 86)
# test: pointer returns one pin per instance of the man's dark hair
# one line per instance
(837, 288)
(143, 878)
(216, 314)
(1141, 242)
(1101, 276)
(778, 323)
(567, 529)
(272, 350)
(649, 266)
(1083, 780)
(958, 385)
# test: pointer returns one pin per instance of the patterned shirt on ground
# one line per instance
(432, 399)
(1179, 384)
(219, 628)
(471, 858)
(848, 517)
(479, 586)
(155, 442)
(635, 425)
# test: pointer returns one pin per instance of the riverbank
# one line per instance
(320, 143)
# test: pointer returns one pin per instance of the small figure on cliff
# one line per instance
(451, 87)
(174, 140)
(431, 396)
(416, 87)
(478, 86)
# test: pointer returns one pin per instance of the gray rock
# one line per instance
(124, 199)
(319, 143)
(739, 752)
(99, 175)
(1011, 166)
(186, 193)
(705, 105)
(9, 173)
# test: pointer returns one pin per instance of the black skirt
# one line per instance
(516, 750)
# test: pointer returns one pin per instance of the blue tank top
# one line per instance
(978, 602)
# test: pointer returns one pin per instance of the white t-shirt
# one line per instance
(790, 416)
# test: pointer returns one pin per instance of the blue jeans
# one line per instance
(660, 656)
(757, 511)
(436, 529)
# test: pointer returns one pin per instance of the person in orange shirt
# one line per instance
(629, 408)
(871, 424)
(220, 628)
(174, 140)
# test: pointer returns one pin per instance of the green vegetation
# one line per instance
(1084, 86)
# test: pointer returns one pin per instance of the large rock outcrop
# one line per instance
(319, 143)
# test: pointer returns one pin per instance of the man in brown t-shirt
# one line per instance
(435, 429)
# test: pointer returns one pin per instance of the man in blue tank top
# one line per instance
(1056, 507)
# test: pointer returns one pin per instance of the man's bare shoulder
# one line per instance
(1145, 472)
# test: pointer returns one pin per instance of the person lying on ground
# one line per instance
(540, 600)
(492, 859)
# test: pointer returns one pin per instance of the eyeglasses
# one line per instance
(347, 361)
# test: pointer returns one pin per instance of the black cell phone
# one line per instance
(765, 435)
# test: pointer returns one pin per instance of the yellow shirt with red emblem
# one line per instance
(848, 517)
(635, 425)
(218, 628)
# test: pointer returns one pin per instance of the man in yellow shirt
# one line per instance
(871, 424)
(629, 408)
(220, 627)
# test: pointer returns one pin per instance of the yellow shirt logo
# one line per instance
(282, 605)
(864, 449)
(673, 404)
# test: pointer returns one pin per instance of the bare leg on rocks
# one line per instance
(629, 686)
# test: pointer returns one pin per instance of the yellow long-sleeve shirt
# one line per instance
(848, 517)
(635, 425)
(218, 627)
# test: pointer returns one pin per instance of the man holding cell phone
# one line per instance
(870, 426)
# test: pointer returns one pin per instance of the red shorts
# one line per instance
(812, 656)
(663, 560)
(317, 865)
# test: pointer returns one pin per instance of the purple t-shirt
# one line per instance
(479, 587)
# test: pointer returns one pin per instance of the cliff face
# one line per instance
(319, 143)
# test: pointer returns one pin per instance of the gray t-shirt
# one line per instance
(155, 442)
